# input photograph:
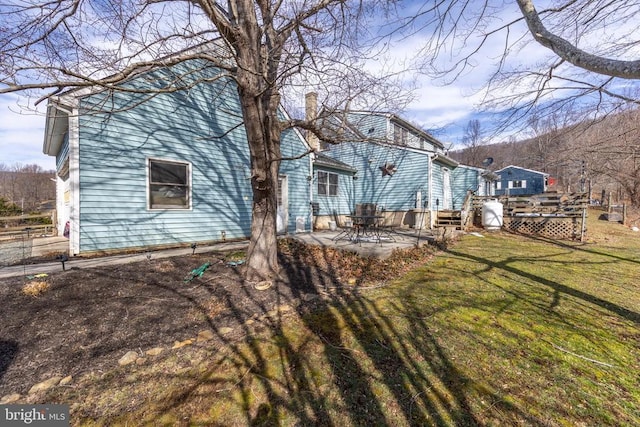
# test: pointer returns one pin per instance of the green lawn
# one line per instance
(497, 330)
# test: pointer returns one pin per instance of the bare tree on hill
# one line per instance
(26, 185)
(472, 142)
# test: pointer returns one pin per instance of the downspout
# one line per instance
(310, 181)
(430, 189)
(74, 177)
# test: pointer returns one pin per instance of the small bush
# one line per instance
(35, 288)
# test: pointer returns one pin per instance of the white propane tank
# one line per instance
(492, 215)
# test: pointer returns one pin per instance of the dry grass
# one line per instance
(497, 330)
(165, 266)
(35, 288)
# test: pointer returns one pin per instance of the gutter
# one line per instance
(56, 124)
(445, 160)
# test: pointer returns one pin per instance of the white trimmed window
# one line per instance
(518, 183)
(169, 184)
(498, 185)
(327, 184)
(400, 135)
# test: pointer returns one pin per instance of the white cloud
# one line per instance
(22, 133)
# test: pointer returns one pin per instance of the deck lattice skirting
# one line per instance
(554, 228)
(553, 215)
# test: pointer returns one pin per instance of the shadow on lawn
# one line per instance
(576, 247)
(558, 288)
(373, 375)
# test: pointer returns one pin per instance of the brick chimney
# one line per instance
(311, 113)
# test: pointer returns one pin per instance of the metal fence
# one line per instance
(15, 249)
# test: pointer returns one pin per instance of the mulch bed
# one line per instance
(87, 319)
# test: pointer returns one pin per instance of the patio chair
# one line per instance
(389, 223)
(366, 209)
(347, 229)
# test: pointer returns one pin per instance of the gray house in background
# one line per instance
(517, 181)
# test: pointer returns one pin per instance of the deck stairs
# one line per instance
(449, 219)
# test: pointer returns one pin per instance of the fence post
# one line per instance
(54, 222)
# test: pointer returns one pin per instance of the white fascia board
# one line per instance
(521, 168)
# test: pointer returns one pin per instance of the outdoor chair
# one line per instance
(347, 230)
(389, 223)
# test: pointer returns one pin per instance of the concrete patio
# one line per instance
(390, 240)
(49, 247)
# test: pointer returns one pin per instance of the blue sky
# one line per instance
(22, 131)
(443, 109)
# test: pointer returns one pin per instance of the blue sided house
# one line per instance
(400, 168)
(517, 181)
(136, 171)
(480, 182)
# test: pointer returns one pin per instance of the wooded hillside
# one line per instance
(27, 186)
(604, 154)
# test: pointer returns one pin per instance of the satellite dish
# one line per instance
(487, 162)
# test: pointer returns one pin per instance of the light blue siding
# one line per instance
(374, 126)
(63, 154)
(343, 203)
(393, 193)
(202, 127)
(297, 172)
(437, 188)
(463, 179)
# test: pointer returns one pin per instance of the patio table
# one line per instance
(365, 228)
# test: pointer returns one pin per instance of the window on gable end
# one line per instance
(400, 135)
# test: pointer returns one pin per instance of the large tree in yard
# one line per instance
(273, 48)
(265, 46)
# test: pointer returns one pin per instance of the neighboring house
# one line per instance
(470, 178)
(400, 168)
(517, 181)
(171, 170)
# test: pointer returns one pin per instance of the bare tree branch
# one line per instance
(567, 51)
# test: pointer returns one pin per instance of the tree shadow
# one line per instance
(558, 288)
(369, 362)
(383, 360)
(577, 247)
(8, 351)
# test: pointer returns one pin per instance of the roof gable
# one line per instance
(522, 169)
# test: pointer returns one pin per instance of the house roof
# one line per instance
(426, 135)
(56, 125)
(521, 168)
(491, 176)
(445, 160)
(328, 162)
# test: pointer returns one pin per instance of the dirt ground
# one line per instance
(81, 321)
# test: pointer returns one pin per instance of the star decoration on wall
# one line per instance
(388, 169)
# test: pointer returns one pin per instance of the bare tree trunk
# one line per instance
(263, 134)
